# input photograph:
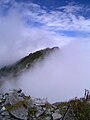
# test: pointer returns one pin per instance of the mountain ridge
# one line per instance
(25, 62)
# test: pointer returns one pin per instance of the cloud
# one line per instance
(61, 76)
(17, 38)
(68, 17)
(23, 31)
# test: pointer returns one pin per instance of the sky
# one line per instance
(30, 25)
(23, 21)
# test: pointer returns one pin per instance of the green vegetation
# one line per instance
(23, 103)
(32, 111)
(81, 109)
(63, 107)
(25, 62)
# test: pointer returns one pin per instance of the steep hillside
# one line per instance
(25, 62)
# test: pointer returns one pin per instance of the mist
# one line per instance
(17, 39)
(61, 76)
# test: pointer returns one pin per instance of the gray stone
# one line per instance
(21, 95)
(48, 118)
(44, 108)
(4, 97)
(56, 116)
(20, 113)
(0, 101)
(20, 105)
(39, 102)
(53, 106)
(48, 112)
(5, 113)
(65, 107)
(57, 111)
(13, 98)
(5, 118)
(19, 90)
(39, 113)
(3, 108)
(52, 109)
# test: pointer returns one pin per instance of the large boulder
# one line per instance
(56, 116)
(16, 105)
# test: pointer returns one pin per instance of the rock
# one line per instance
(65, 107)
(0, 101)
(44, 108)
(39, 102)
(19, 90)
(56, 116)
(48, 112)
(52, 109)
(13, 98)
(54, 106)
(4, 97)
(39, 113)
(15, 105)
(5, 116)
(57, 111)
(3, 108)
(20, 113)
(48, 118)
(22, 95)
(5, 113)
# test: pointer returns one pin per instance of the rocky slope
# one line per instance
(15, 105)
(25, 63)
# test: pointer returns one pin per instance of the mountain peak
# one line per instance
(26, 62)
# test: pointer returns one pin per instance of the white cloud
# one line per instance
(64, 18)
(71, 8)
(61, 76)
(17, 39)
(67, 19)
(24, 38)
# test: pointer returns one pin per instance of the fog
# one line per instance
(18, 39)
(61, 76)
